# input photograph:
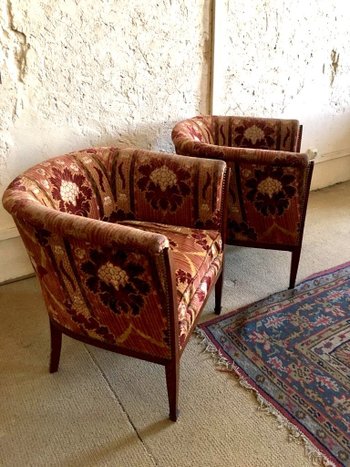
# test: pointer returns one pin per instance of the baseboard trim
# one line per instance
(330, 156)
(17, 279)
(8, 232)
(14, 260)
(328, 172)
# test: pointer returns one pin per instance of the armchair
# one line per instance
(270, 180)
(127, 246)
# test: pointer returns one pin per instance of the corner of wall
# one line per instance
(15, 263)
(330, 172)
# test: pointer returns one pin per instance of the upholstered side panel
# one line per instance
(266, 198)
(268, 188)
(103, 291)
(197, 258)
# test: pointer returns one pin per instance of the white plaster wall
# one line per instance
(94, 72)
(77, 73)
(281, 58)
(80, 73)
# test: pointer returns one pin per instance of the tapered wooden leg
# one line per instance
(172, 381)
(56, 343)
(218, 293)
(294, 267)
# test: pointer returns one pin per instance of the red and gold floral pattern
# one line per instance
(103, 271)
(258, 135)
(69, 189)
(192, 262)
(164, 187)
(117, 278)
(269, 180)
(241, 132)
(270, 190)
(88, 325)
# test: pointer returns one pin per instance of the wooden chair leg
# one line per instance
(294, 267)
(56, 343)
(218, 293)
(172, 381)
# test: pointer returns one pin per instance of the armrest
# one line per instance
(194, 129)
(111, 283)
(78, 228)
(170, 189)
(265, 157)
(242, 155)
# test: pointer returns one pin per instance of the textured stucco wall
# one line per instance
(287, 58)
(77, 73)
(97, 72)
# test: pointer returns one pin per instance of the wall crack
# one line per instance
(334, 64)
(17, 48)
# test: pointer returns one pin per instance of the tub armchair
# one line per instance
(270, 179)
(127, 246)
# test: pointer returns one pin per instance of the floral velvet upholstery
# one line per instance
(127, 245)
(270, 179)
(241, 132)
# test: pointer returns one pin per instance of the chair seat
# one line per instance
(196, 264)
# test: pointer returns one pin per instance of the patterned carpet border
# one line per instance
(312, 286)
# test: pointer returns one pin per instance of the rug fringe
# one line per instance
(294, 434)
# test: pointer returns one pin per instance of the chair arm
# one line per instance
(84, 229)
(194, 129)
(109, 283)
(265, 157)
(170, 189)
(242, 155)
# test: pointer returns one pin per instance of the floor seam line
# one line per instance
(150, 455)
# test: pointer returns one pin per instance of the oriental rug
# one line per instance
(293, 350)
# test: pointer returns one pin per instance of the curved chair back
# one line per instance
(240, 132)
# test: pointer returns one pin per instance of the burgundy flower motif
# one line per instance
(71, 192)
(258, 135)
(201, 240)
(202, 293)
(165, 187)
(183, 277)
(270, 190)
(116, 279)
(241, 228)
(172, 244)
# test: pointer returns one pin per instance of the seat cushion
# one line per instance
(197, 258)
